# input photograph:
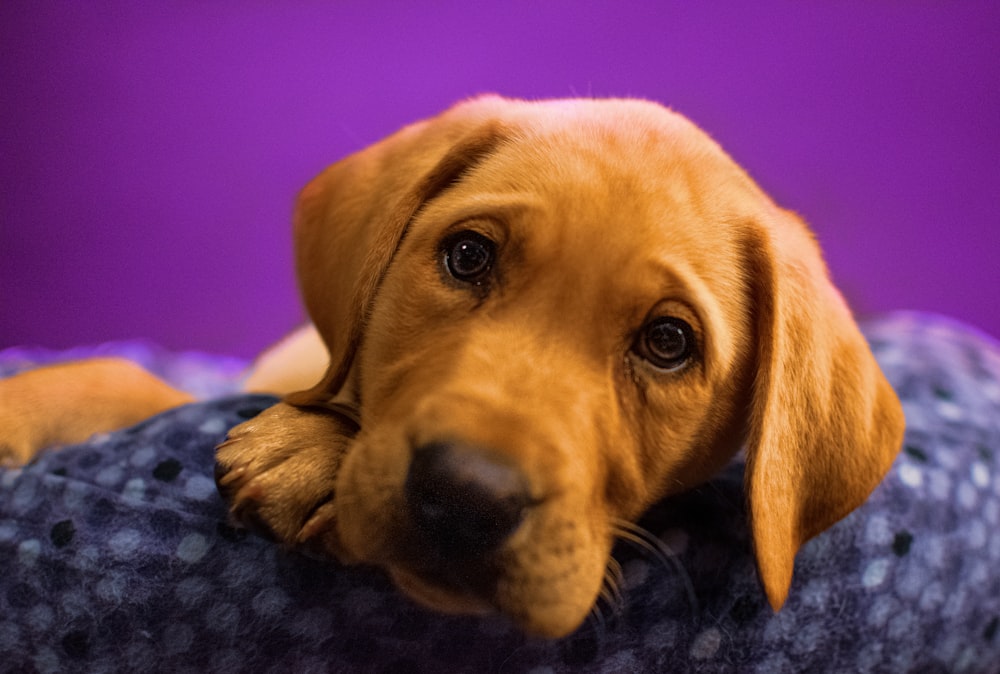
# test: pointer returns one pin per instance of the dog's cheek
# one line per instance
(410, 343)
(690, 434)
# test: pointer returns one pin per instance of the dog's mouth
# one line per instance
(441, 592)
(485, 586)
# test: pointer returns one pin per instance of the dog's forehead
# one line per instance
(607, 126)
(629, 178)
(619, 154)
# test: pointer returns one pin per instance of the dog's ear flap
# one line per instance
(825, 424)
(350, 220)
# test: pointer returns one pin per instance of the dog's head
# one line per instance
(550, 315)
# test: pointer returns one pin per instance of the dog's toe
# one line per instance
(278, 472)
(247, 513)
(278, 501)
(227, 479)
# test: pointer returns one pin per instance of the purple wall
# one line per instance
(151, 151)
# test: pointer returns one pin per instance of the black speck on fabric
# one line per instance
(167, 471)
(62, 533)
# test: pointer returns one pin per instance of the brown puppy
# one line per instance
(540, 319)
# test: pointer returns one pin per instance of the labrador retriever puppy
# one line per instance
(531, 321)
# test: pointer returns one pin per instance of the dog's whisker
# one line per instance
(611, 590)
(661, 551)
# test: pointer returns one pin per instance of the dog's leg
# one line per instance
(278, 471)
(67, 403)
(295, 363)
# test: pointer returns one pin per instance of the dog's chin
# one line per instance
(446, 597)
(437, 597)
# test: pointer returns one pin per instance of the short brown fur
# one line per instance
(605, 214)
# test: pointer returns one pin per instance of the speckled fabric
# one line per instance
(116, 556)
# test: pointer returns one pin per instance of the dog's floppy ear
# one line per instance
(350, 220)
(825, 424)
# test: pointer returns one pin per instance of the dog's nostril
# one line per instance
(464, 500)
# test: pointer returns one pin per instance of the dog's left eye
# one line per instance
(666, 343)
(469, 256)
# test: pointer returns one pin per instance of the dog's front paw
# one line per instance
(278, 473)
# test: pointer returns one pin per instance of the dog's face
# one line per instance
(561, 312)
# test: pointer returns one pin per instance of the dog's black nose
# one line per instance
(464, 500)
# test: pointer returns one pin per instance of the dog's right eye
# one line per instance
(468, 256)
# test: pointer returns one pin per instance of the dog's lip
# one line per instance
(439, 595)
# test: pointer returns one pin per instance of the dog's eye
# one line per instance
(468, 256)
(667, 343)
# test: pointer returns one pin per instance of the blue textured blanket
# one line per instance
(117, 556)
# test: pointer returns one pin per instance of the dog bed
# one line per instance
(117, 555)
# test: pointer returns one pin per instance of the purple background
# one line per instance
(150, 154)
